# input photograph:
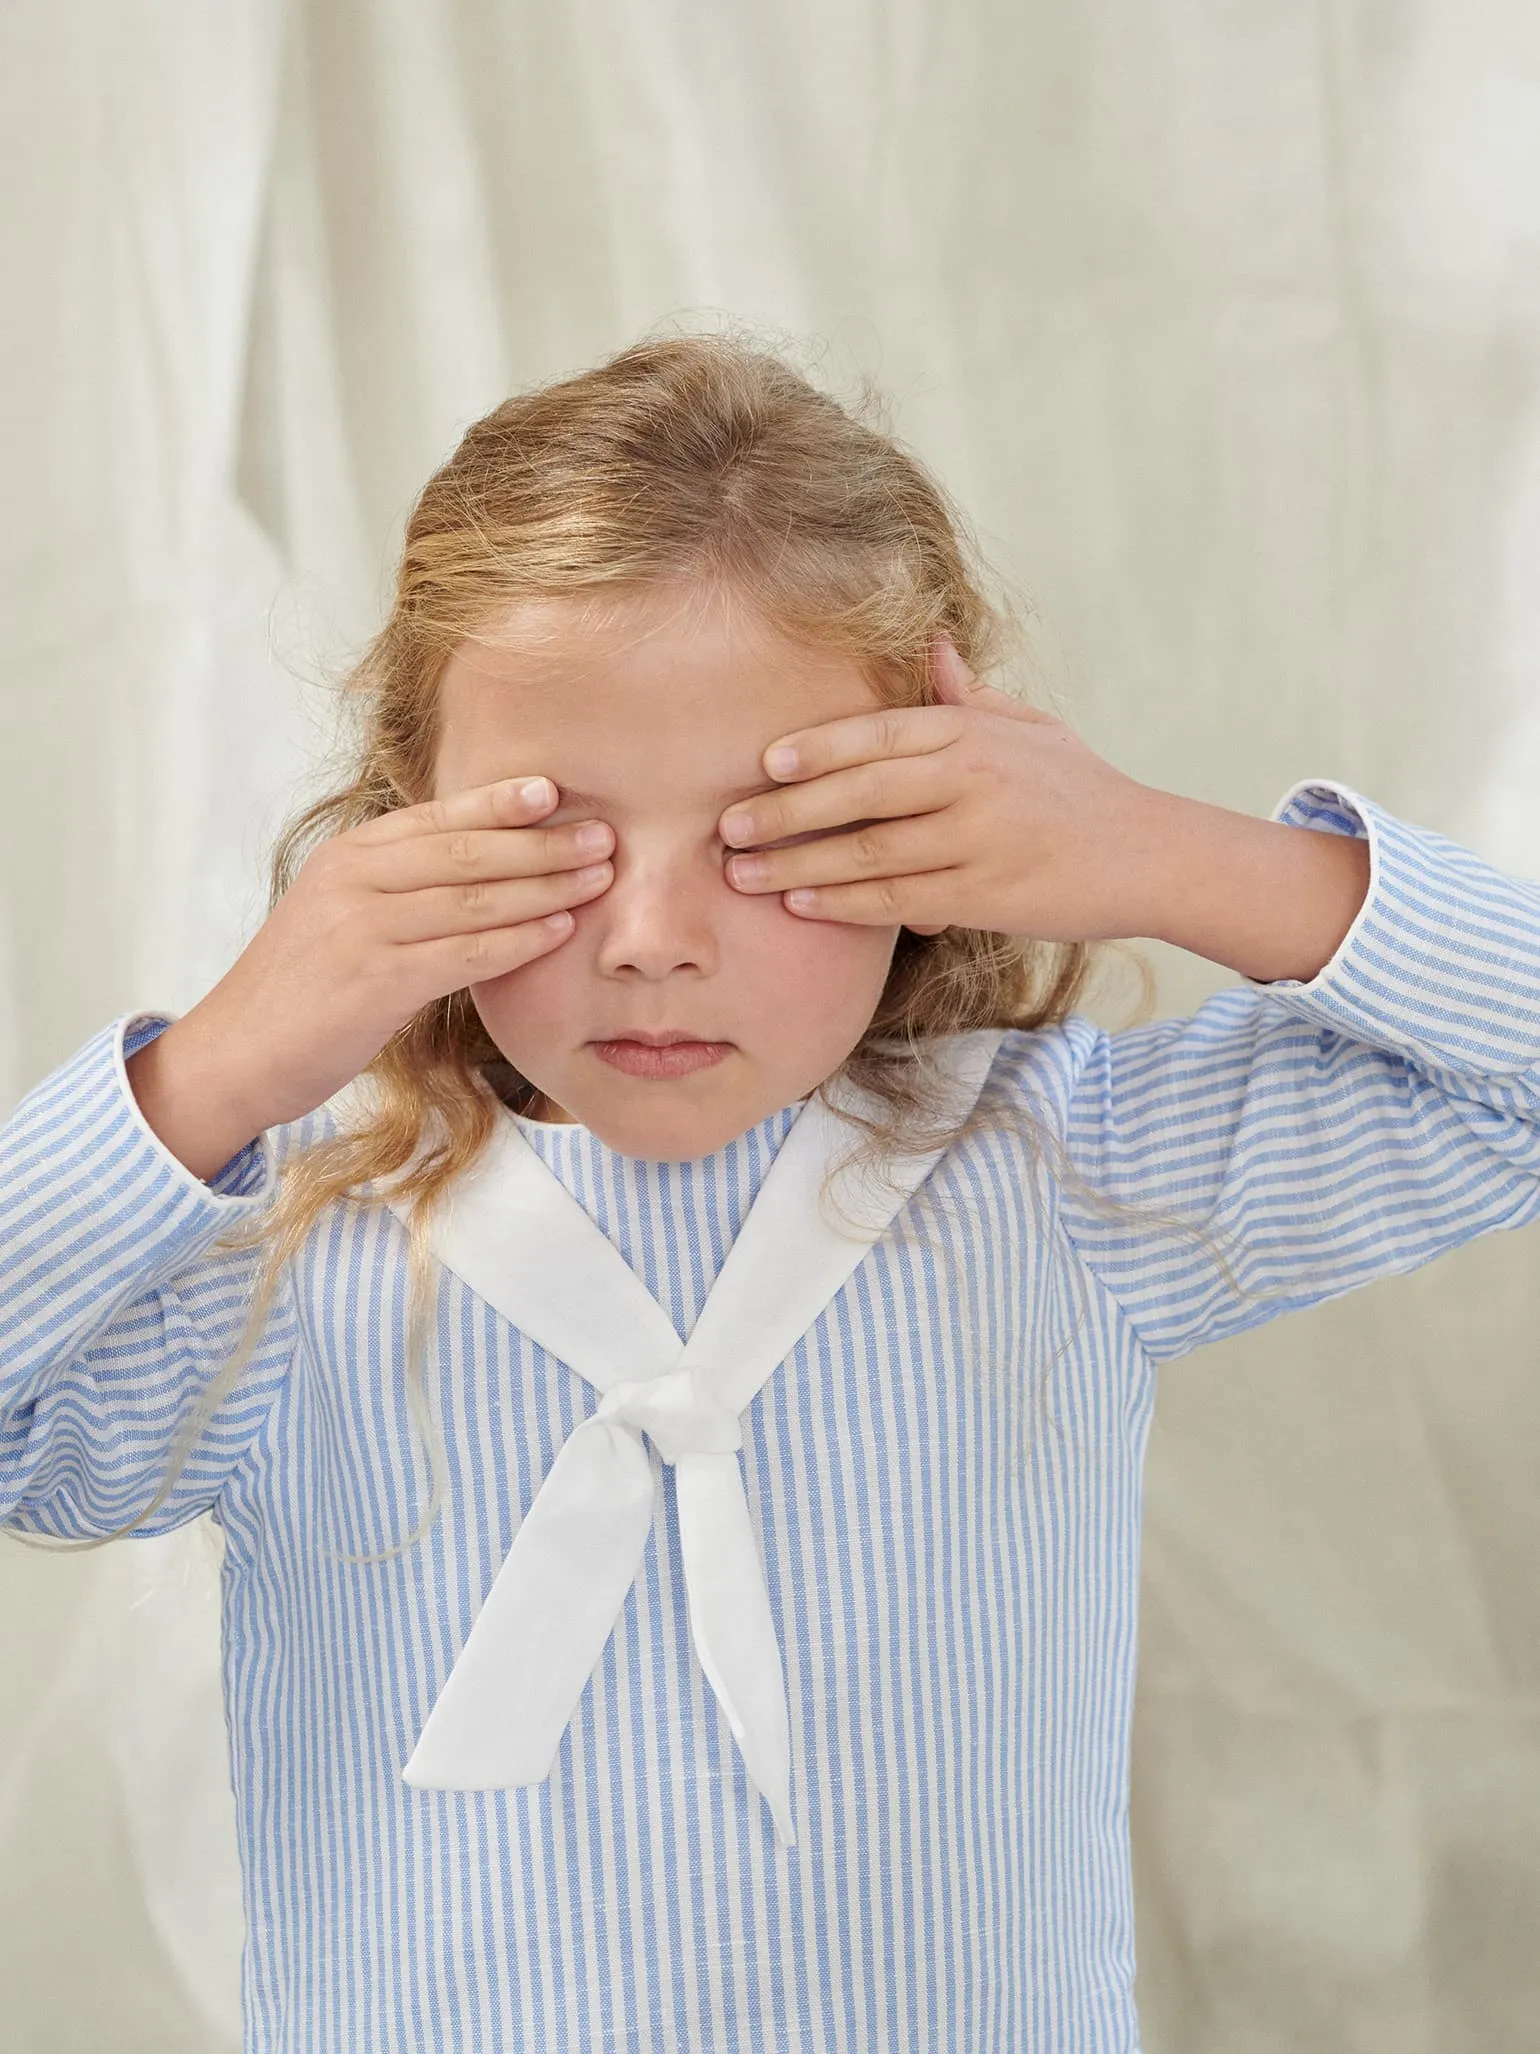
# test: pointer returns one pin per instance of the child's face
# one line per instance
(664, 720)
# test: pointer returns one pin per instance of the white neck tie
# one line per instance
(515, 1234)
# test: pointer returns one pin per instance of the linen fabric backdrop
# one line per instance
(1224, 325)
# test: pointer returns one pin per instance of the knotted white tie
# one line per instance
(517, 1236)
(554, 1603)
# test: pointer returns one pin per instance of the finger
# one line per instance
(867, 791)
(957, 685)
(877, 848)
(990, 699)
(508, 802)
(949, 675)
(462, 961)
(483, 905)
(468, 854)
(860, 738)
(881, 902)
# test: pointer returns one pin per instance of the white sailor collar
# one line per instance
(512, 1231)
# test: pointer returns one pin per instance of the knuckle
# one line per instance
(888, 730)
(336, 870)
(461, 849)
(868, 850)
(317, 877)
(336, 853)
(474, 896)
(992, 772)
(866, 785)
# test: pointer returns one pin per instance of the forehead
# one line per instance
(665, 697)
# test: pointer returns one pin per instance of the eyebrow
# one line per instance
(569, 795)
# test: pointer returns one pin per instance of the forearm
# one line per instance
(1266, 900)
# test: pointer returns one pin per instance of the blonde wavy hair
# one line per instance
(696, 457)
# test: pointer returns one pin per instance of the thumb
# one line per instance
(956, 685)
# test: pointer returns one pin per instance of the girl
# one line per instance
(669, 1335)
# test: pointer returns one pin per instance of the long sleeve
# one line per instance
(114, 1311)
(1329, 1132)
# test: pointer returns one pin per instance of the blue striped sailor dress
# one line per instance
(941, 1470)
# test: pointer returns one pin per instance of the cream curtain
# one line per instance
(1224, 323)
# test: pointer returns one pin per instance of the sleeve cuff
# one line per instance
(1442, 961)
(1327, 807)
(252, 1173)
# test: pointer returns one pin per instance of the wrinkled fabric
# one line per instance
(1222, 325)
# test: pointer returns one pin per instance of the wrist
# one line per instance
(187, 1100)
(1266, 900)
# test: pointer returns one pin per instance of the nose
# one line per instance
(663, 908)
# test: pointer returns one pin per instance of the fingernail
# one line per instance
(781, 762)
(535, 791)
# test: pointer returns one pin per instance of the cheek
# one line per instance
(534, 1004)
(827, 965)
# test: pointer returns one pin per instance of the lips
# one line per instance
(665, 1040)
(676, 1056)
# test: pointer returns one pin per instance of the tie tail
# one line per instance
(781, 1811)
(460, 1753)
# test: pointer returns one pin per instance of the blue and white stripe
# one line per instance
(944, 1474)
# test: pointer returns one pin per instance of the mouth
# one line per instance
(673, 1054)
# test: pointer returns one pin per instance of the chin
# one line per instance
(677, 1138)
(648, 1126)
